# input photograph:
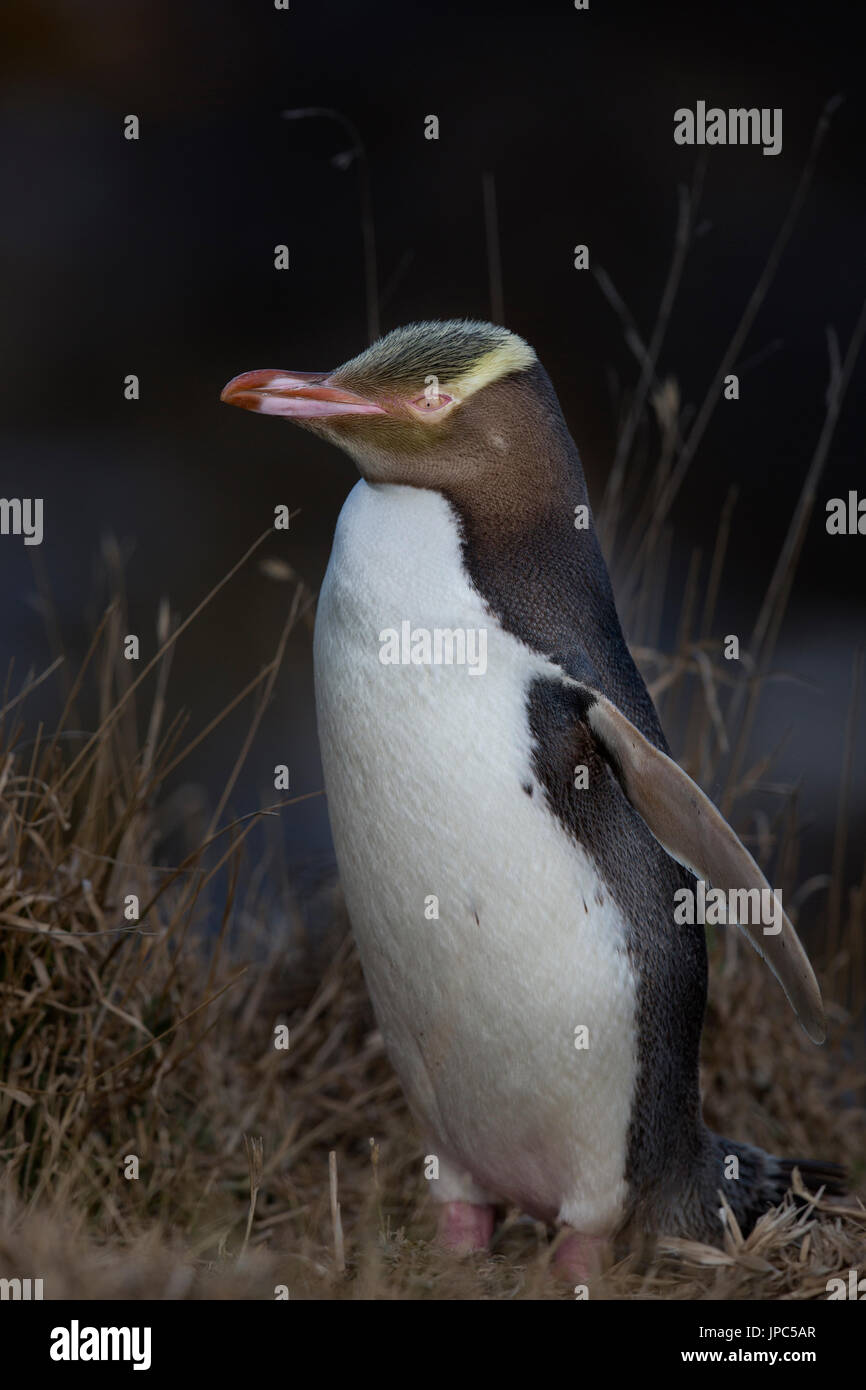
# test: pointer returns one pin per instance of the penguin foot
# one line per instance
(578, 1258)
(465, 1226)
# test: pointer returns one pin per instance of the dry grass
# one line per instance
(156, 1039)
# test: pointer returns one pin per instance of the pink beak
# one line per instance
(296, 395)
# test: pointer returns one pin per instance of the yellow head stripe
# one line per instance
(512, 355)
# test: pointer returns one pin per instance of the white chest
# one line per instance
(486, 936)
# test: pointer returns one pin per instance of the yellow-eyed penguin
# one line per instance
(510, 830)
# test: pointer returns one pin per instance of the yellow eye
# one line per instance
(432, 401)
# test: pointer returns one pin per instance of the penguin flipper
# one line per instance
(690, 828)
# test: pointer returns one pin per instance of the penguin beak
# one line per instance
(296, 395)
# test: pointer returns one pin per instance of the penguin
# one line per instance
(511, 832)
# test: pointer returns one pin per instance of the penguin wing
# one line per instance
(690, 828)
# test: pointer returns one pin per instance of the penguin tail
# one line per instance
(753, 1181)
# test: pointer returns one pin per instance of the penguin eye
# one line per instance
(432, 402)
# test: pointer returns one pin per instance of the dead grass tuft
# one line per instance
(154, 1041)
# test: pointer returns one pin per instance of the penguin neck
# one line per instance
(530, 549)
(542, 575)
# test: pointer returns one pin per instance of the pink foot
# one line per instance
(578, 1258)
(465, 1226)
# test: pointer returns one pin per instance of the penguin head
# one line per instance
(424, 403)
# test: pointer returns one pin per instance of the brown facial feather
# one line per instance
(504, 454)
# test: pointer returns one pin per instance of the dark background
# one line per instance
(156, 257)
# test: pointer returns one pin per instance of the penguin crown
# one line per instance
(461, 354)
